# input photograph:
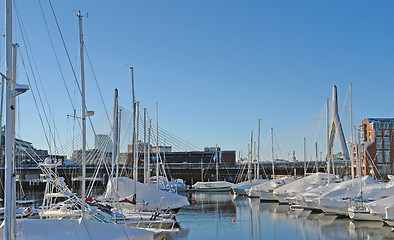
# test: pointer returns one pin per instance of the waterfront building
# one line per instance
(376, 151)
(26, 153)
(93, 157)
(161, 149)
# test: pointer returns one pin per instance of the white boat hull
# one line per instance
(337, 211)
(362, 215)
(281, 198)
(224, 189)
(240, 191)
(267, 197)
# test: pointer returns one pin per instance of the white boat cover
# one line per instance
(304, 184)
(390, 212)
(76, 229)
(148, 194)
(340, 197)
(272, 184)
(213, 185)
(379, 206)
(246, 185)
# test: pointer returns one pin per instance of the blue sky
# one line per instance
(215, 67)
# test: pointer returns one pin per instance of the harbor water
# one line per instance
(224, 216)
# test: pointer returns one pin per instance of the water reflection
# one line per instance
(212, 214)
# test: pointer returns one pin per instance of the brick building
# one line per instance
(376, 150)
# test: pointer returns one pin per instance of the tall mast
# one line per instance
(304, 157)
(157, 146)
(351, 135)
(317, 164)
(81, 47)
(134, 136)
(359, 165)
(272, 152)
(328, 144)
(149, 148)
(202, 172)
(255, 158)
(13, 210)
(217, 163)
(134, 118)
(145, 159)
(1, 116)
(118, 149)
(10, 125)
(137, 115)
(115, 132)
(258, 153)
(251, 158)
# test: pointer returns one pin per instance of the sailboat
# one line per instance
(216, 186)
(243, 188)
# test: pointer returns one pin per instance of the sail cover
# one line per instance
(152, 197)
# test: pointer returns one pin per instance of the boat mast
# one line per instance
(157, 146)
(136, 144)
(1, 115)
(272, 152)
(13, 210)
(202, 172)
(351, 135)
(258, 153)
(10, 126)
(134, 135)
(115, 133)
(328, 144)
(317, 164)
(304, 157)
(118, 150)
(255, 158)
(359, 165)
(149, 148)
(145, 160)
(217, 163)
(251, 158)
(81, 48)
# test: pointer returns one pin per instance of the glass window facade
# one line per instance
(387, 143)
(377, 132)
(386, 132)
(387, 156)
(379, 158)
(378, 142)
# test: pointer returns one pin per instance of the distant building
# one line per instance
(93, 157)
(210, 149)
(140, 147)
(27, 154)
(103, 142)
(225, 157)
(161, 149)
(377, 151)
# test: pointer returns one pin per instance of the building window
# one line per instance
(386, 132)
(387, 143)
(378, 142)
(377, 133)
(387, 156)
(379, 157)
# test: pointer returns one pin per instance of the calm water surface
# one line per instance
(211, 217)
